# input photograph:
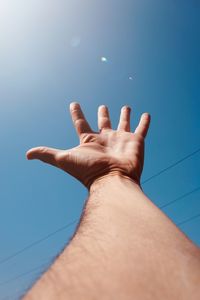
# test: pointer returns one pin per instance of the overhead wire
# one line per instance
(180, 197)
(44, 264)
(37, 242)
(25, 273)
(171, 166)
(71, 223)
(188, 220)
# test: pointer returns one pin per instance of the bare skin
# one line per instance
(124, 247)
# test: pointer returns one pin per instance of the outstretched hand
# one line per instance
(102, 153)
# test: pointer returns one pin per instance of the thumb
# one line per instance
(45, 154)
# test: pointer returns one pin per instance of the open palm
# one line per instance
(102, 153)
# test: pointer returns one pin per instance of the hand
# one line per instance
(102, 153)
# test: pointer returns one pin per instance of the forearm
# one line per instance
(125, 247)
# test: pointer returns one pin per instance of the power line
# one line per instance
(47, 261)
(33, 270)
(25, 273)
(37, 242)
(188, 220)
(171, 166)
(180, 197)
(71, 223)
(14, 296)
(66, 226)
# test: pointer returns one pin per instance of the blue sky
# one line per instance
(51, 55)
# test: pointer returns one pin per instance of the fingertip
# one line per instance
(103, 110)
(126, 107)
(28, 154)
(73, 105)
(34, 152)
(146, 115)
(103, 107)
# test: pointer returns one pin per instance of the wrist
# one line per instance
(113, 178)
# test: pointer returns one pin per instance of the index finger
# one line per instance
(80, 123)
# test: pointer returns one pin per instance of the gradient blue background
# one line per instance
(50, 55)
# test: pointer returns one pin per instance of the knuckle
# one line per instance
(140, 137)
(79, 122)
(61, 158)
(86, 138)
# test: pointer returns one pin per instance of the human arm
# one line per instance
(124, 247)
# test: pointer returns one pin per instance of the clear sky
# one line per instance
(50, 55)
